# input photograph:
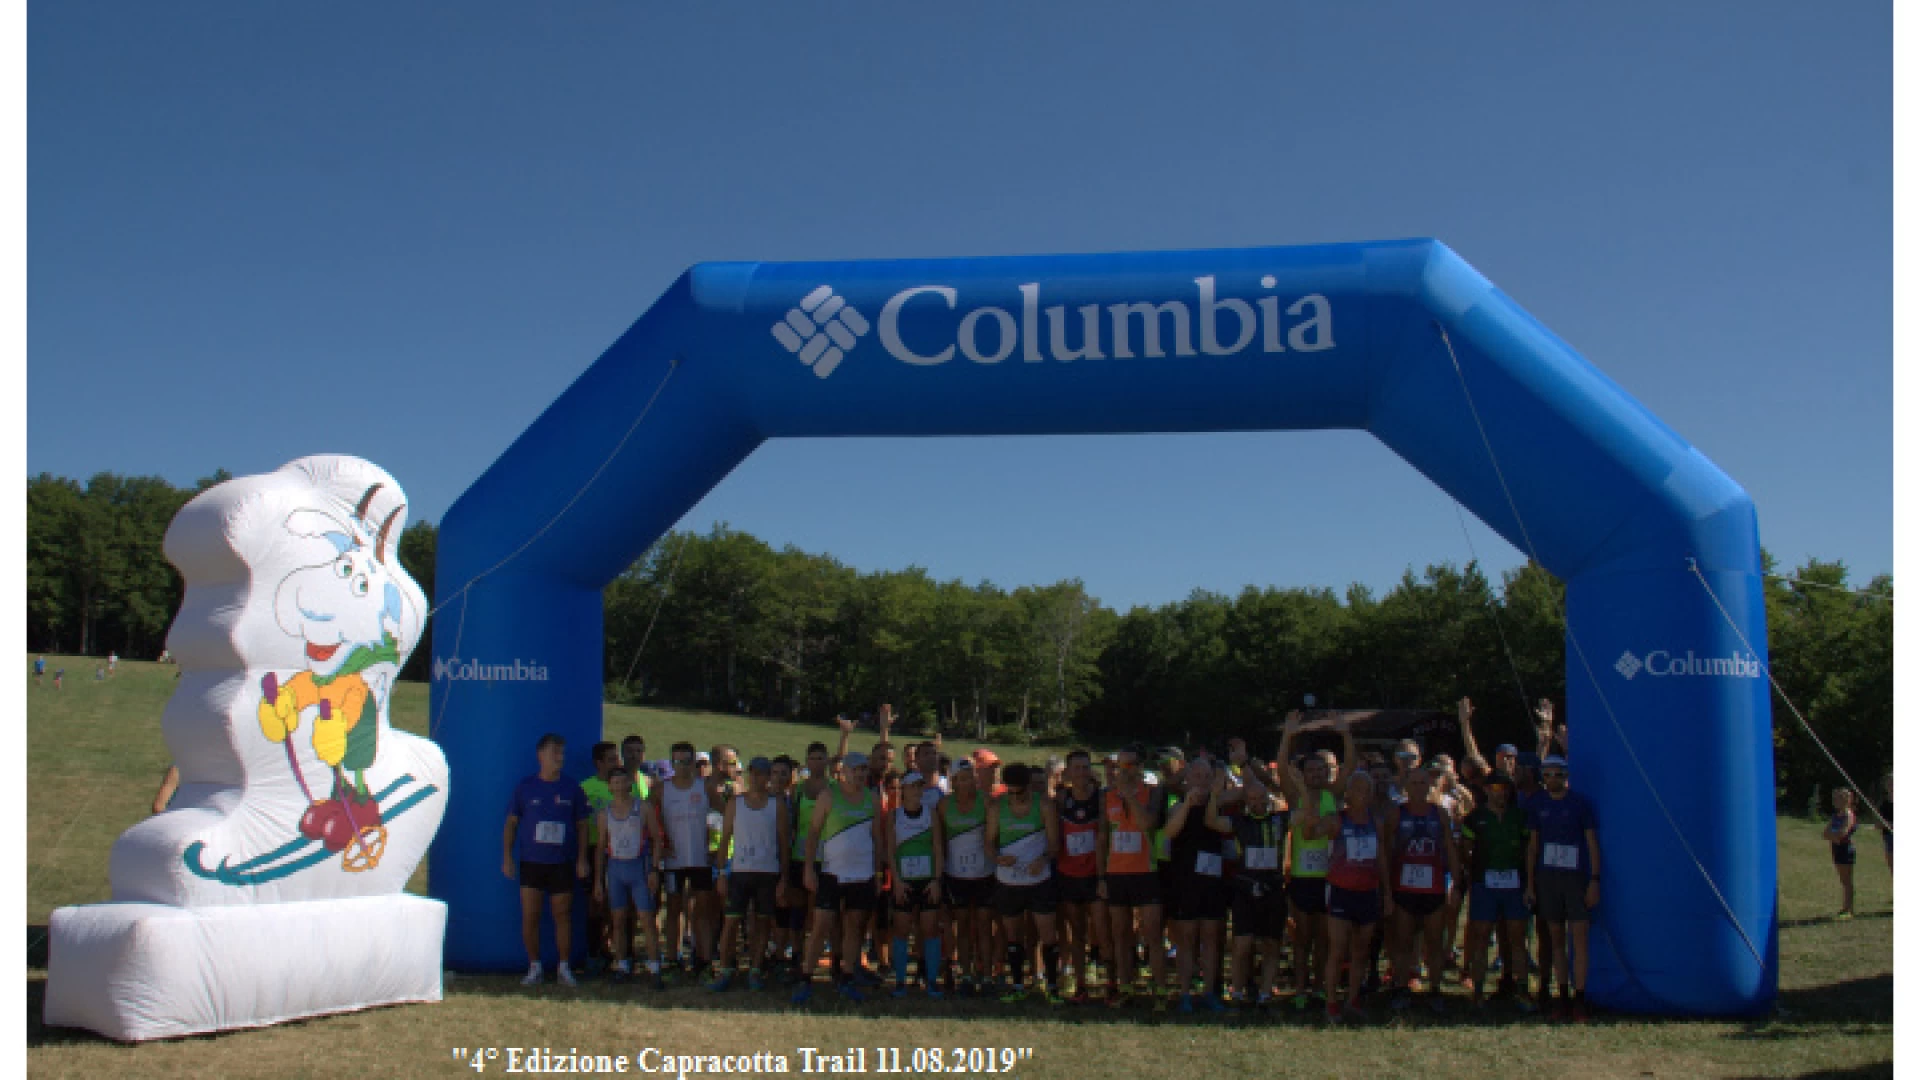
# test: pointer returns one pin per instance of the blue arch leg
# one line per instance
(489, 735)
(1692, 703)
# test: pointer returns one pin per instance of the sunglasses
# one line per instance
(1554, 774)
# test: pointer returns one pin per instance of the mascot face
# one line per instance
(359, 597)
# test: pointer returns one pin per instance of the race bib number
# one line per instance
(1080, 843)
(1561, 856)
(968, 864)
(1263, 858)
(917, 867)
(1206, 864)
(1314, 861)
(1126, 843)
(1503, 879)
(549, 832)
(1416, 876)
(1362, 848)
(745, 854)
(1230, 848)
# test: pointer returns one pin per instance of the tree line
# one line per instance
(724, 620)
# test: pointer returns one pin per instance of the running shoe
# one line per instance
(1265, 999)
(755, 981)
(803, 992)
(1078, 997)
(1843, 916)
(899, 991)
(534, 976)
(1213, 1004)
(565, 976)
(1401, 999)
(863, 977)
(1052, 995)
(1579, 1013)
(1334, 1013)
(852, 993)
(1186, 1003)
(657, 982)
(1162, 1001)
(1436, 1004)
(1014, 996)
(935, 995)
(722, 984)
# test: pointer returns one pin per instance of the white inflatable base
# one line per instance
(150, 971)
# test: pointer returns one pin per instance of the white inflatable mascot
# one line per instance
(272, 888)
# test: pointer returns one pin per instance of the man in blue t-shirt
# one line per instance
(1564, 850)
(545, 822)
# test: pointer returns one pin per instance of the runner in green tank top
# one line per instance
(1023, 832)
(799, 896)
(914, 852)
(1310, 795)
(969, 882)
(840, 874)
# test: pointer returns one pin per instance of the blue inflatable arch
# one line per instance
(1527, 434)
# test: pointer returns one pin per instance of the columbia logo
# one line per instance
(822, 330)
(1628, 665)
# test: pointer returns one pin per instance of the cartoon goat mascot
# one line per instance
(274, 885)
(347, 612)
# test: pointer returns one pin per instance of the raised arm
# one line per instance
(1293, 783)
(846, 733)
(1543, 730)
(1466, 728)
(1214, 800)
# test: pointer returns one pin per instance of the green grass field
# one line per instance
(95, 756)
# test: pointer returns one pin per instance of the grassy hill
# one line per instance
(95, 756)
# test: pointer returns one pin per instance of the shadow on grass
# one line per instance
(1856, 1006)
(36, 946)
(1858, 1072)
(1825, 920)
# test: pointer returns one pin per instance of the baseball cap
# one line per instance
(984, 756)
(965, 764)
(913, 777)
(1172, 753)
(1505, 748)
(1553, 761)
(854, 759)
(759, 764)
(701, 755)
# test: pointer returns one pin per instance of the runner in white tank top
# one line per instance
(756, 839)
(684, 811)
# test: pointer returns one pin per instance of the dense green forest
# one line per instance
(724, 620)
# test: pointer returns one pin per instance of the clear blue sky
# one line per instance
(399, 231)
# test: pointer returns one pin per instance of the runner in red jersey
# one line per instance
(1424, 860)
(1357, 876)
(1083, 914)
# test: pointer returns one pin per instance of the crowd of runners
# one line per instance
(1193, 879)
